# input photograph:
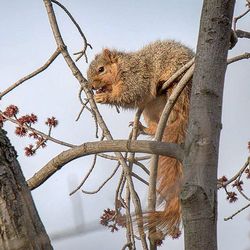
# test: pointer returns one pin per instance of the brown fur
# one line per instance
(132, 80)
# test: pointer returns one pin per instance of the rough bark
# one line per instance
(20, 225)
(199, 192)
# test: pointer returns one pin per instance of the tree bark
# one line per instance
(199, 192)
(20, 225)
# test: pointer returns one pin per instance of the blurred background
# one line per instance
(26, 43)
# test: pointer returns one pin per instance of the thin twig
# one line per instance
(239, 187)
(114, 158)
(240, 210)
(140, 178)
(242, 193)
(226, 183)
(239, 17)
(29, 76)
(126, 205)
(103, 184)
(81, 100)
(86, 176)
(127, 245)
(89, 109)
(86, 44)
(136, 160)
(47, 137)
(139, 164)
(82, 108)
(129, 223)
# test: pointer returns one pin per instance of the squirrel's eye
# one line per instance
(100, 69)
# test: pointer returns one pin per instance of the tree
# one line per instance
(217, 23)
(21, 227)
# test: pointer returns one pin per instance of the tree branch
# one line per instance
(246, 55)
(159, 133)
(86, 44)
(34, 73)
(142, 146)
(242, 34)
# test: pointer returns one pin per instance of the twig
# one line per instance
(231, 217)
(119, 190)
(239, 188)
(86, 177)
(224, 184)
(103, 184)
(139, 164)
(242, 193)
(239, 17)
(34, 73)
(82, 108)
(47, 137)
(129, 223)
(177, 74)
(81, 100)
(242, 34)
(127, 245)
(89, 109)
(114, 158)
(136, 160)
(86, 44)
(139, 178)
(246, 55)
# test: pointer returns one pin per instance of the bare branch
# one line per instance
(103, 184)
(235, 19)
(142, 146)
(159, 133)
(231, 217)
(239, 57)
(242, 34)
(224, 184)
(86, 44)
(34, 73)
(139, 178)
(87, 175)
(136, 160)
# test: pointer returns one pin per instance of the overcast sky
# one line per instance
(27, 42)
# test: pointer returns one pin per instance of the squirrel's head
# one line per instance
(103, 71)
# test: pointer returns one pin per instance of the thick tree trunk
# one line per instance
(20, 225)
(199, 192)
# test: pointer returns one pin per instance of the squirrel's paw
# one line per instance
(141, 128)
(101, 98)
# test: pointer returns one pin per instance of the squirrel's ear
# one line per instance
(110, 55)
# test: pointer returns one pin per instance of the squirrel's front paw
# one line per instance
(141, 128)
(101, 98)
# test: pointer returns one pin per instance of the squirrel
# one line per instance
(133, 80)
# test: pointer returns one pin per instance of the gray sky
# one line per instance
(26, 43)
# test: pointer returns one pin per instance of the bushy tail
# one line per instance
(167, 221)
